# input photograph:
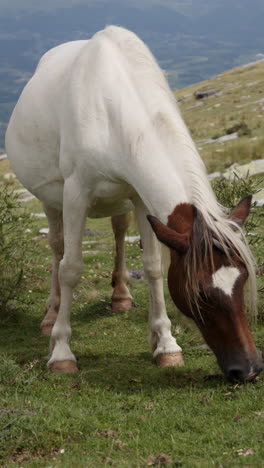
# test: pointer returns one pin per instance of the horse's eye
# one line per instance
(219, 251)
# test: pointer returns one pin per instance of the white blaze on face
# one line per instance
(225, 279)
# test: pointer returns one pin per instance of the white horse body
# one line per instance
(94, 111)
(97, 132)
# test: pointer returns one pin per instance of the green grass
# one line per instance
(122, 410)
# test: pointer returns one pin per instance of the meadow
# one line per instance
(121, 409)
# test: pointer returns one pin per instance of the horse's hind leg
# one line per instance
(57, 246)
(121, 298)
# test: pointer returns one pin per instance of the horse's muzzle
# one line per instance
(243, 370)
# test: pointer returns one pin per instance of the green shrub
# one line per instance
(15, 247)
(230, 192)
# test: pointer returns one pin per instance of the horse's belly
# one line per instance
(103, 209)
(111, 199)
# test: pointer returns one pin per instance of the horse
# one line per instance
(97, 132)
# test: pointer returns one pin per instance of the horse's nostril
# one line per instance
(236, 374)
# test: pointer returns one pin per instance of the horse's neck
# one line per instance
(161, 190)
(160, 179)
(163, 164)
(167, 170)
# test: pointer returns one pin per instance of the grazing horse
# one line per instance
(97, 132)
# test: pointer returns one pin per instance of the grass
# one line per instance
(121, 410)
(238, 105)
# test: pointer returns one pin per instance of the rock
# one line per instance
(132, 239)
(3, 156)
(259, 101)
(198, 104)
(90, 242)
(185, 97)
(245, 170)
(38, 215)
(214, 175)
(252, 83)
(258, 198)
(9, 176)
(221, 139)
(24, 195)
(231, 136)
(90, 252)
(205, 93)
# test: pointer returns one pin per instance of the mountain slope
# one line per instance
(191, 40)
(234, 110)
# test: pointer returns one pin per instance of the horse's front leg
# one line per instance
(70, 270)
(57, 246)
(121, 298)
(165, 349)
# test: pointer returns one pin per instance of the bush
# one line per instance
(15, 246)
(230, 192)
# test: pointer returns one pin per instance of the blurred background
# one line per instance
(192, 39)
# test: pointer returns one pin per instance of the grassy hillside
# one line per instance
(121, 410)
(238, 106)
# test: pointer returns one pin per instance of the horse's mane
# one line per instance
(201, 248)
(211, 222)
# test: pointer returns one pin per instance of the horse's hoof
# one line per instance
(46, 329)
(121, 304)
(170, 360)
(63, 367)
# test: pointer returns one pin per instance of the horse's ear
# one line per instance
(172, 239)
(240, 213)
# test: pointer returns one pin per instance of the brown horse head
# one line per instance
(206, 280)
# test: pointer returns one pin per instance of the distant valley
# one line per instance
(191, 44)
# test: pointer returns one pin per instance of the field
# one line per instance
(121, 409)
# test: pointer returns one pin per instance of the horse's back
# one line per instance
(85, 106)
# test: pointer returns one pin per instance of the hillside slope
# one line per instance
(235, 111)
